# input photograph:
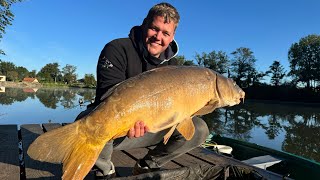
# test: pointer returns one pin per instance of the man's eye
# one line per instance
(153, 28)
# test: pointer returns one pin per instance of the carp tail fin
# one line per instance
(65, 144)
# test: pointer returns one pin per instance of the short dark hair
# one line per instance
(165, 10)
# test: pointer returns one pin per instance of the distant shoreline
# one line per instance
(272, 101)
(20, 84)
(11, 84)
(293, 103)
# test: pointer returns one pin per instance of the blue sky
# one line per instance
(74, 32)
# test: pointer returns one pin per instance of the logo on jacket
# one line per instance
(106, 63)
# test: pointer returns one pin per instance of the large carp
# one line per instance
(166, 97)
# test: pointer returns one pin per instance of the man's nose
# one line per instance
(158, 35)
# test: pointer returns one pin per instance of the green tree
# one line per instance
(189, 63)
(200, 58)
(277, 73)
(22, 72)
(180, 60)
(69, 74)
(304, 59)
(33, 74)
(183, 61)
(89, 80)
(5, 67)
(6, 16)
(242, 66)
(12, 75)
(254, 77)
(49, 72)
(217, 61)
(222, 62)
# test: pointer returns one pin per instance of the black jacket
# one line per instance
(123, 58)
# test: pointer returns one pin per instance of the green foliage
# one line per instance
(180, 60)
(243, 69)
(217, 61)
(277, 73)
(69, 74)
(12, 75)
(282, 93)
(304, 59)
(6, 16)
(11, 71)
(5, 67)
(22, 72)
(32, 74)
(49, 72)
(89, 80)
(189, 63)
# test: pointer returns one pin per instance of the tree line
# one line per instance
(50, 73)
(240, 64)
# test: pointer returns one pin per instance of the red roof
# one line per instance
(29, 79)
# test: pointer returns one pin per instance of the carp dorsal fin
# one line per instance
(186, 128)
(168, 135)
(208, 108)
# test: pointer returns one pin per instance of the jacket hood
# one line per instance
(136, 38)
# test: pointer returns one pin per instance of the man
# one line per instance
(148, 46)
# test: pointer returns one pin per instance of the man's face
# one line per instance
(158, 35)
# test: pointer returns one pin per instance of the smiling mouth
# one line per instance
(155, 44)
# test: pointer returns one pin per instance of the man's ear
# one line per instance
(173, 36)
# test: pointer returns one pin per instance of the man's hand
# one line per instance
(138, 130)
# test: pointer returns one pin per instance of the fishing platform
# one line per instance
(16, 164)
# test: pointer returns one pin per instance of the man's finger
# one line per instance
(131, 133)
(141, 128)
(137, 129)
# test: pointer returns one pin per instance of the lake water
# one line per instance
(293, 128)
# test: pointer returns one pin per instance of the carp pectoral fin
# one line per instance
(168, 135)
(209, 108)
(186, 128)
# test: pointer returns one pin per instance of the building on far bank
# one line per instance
(2, 78)
(30, 80)
(2, 89)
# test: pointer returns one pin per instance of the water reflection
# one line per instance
(31, 106)
(289, 127)
(50, 98)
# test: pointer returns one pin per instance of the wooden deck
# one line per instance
(16, 164)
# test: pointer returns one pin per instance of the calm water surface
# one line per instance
(288, 127)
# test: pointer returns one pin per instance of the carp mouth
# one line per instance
(237, 95)
(242, 95)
